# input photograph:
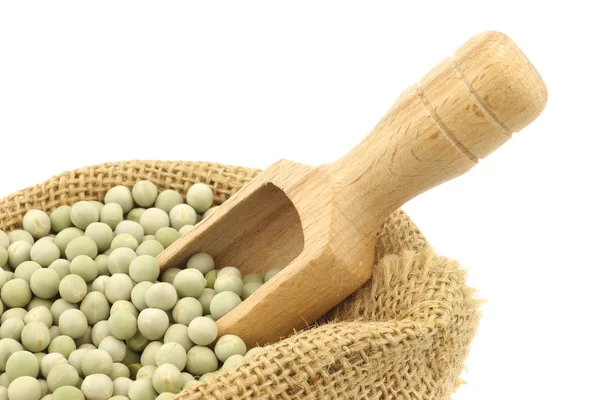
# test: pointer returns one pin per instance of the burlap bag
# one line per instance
(404, 335)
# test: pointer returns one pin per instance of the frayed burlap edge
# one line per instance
(404, 335)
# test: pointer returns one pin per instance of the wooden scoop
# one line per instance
(320, 222)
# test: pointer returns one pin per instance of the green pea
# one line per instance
(153, 219)
(20, 235)
(4, 240)
(167, 236)
(161, 295)
(85, 267)
(124, 240)
(146, 372)
(18, 253)
(60, 218)
(138, 342)
(7, 348)
(79, 246)
(249, 289)
(120, 260)
(44, 283)
(95, 307)
(232, 361)
(229, 283)
(37, 302)
(37, 223)
(100, 233)
(144, 193)
(58, 307)
(99, 332)
(178, 333)
(203, 262)
(168, 275)
(49, 361)
(118, 287)
(135, 215)
(150, 248)
(25, 388)
(62, 344)
(84, 213)
(153, 323)
(97, 362)
(167, 378)
(64, 237)
(138, 295)
(149, 353)
(100, 283)
(22, 363)
(102, 264)
(67, 393)
(62, 375)
(72, 323)
(111, 214)
(121, 385)
(171, 353)
(116, 348)
(41, 314)
(4, 381)
(144, 268)
(76, 360)
(186, 376)
(125, 306)
(200, 196)
(205, 299)
(62, 267)
(130, 228)
(209, 212)
(211, 277)
(54, 332)
(229, 345)
(44, 252)
(185, 229)
(189, 283)
(16, 293)
(15, 312)
(181, 215)
(201, 360)
(26, 269)
(4, 258)
(120, 195)
(12, 328)
(186, 310)
(203, 331)
(168, 199)
(72, 288)
(122, 325)
(35, 336)
(97, 387)
(224, 302)
(142, 389)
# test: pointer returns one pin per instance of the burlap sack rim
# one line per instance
(405, 334)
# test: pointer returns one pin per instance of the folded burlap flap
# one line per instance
(404, 335)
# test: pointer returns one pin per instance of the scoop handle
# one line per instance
(462, 110)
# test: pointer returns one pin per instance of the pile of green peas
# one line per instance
(86, 312)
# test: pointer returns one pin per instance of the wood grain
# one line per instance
(320, 222)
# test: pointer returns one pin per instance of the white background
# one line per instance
(252, 82)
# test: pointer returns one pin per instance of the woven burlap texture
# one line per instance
(404, 335)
